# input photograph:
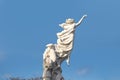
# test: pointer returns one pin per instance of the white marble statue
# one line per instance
(55, 54)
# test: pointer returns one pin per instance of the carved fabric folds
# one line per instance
(65, 41)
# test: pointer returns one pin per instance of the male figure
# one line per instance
(49, 57)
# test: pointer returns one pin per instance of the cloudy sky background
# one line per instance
(26, 26)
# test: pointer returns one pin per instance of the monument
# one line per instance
(55, 54)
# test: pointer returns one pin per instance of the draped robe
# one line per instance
(65, 41)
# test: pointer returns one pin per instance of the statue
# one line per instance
(55, 54)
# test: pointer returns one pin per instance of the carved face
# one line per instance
(69, 23)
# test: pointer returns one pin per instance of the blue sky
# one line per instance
(26, 26)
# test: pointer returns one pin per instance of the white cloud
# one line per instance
(83, 71)
(5, 76)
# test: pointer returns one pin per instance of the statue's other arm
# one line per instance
(79, 22)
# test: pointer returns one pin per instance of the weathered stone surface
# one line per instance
(55, 54)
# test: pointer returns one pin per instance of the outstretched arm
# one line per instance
(79, 22)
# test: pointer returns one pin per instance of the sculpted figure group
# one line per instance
(55, 54)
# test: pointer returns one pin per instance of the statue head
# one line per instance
(69, 21)
(50, 45)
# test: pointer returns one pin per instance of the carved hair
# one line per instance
(69, 21)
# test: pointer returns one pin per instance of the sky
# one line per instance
(26, 26)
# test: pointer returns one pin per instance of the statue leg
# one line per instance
(47, 74)
(47, 65)
(57, 75)
(57, 71)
